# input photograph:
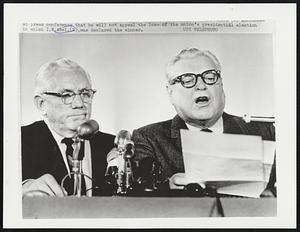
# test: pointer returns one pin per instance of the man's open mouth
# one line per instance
(202, 99)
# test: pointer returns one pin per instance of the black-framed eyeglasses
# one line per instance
(69, 96)
(189, 80)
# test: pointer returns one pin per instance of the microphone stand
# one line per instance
(128, 168)
(125, 176)
(77, 167)
(120, 175)
(84, 132)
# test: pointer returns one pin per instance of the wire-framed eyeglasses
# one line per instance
(189, 80)
(68, 97)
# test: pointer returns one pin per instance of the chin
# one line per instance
(74, 125)
(203, 116)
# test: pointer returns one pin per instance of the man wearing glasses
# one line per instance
(195, 89)
(63, 95)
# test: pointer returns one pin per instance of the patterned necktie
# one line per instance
(206, 130)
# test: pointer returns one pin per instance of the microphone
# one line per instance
(84, 132)
(87, 129)
(122, 139)
(129, 149)
(121, 156)
(124, 149)
(113, 154)
(248, 118)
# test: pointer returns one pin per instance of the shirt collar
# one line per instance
(217, 127)
(58, 138)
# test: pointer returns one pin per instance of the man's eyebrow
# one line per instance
(72, 91)
(66, 90)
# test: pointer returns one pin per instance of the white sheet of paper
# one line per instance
(235, 164)
(268, 159)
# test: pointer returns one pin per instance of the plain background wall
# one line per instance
(128, 72)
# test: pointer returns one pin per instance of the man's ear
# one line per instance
(40, 104)
(170, 93)
(169, 90)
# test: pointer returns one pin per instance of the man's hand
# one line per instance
(45, 185)
(178, 181)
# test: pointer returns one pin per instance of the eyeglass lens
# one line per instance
(86, 96)
(190, 79)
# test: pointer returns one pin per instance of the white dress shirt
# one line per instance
(218, 127)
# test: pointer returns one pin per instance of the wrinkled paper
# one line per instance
(234, 164)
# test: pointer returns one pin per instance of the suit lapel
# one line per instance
(177, 157)
(53, 157)
(234, 125)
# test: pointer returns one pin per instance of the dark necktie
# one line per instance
(206, 130)
(69, 154)
(69, 150)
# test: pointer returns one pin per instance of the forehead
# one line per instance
(197, 64)
(69, 79)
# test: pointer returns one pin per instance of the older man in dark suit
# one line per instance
(63, 95)
(196, 91)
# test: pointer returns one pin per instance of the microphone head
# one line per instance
(129, 149)
(113, 154)
(87, 129)
(122, 138)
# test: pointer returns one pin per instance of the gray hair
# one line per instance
(191, 53)
(47, 70)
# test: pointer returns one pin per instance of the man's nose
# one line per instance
(200, 84)
(77, 102)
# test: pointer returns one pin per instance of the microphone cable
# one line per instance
(211, 191)
(195, 189)
(218, 205)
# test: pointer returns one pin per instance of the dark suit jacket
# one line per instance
(162, 140)
(41, 154)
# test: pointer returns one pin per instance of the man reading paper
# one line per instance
(195, 88)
